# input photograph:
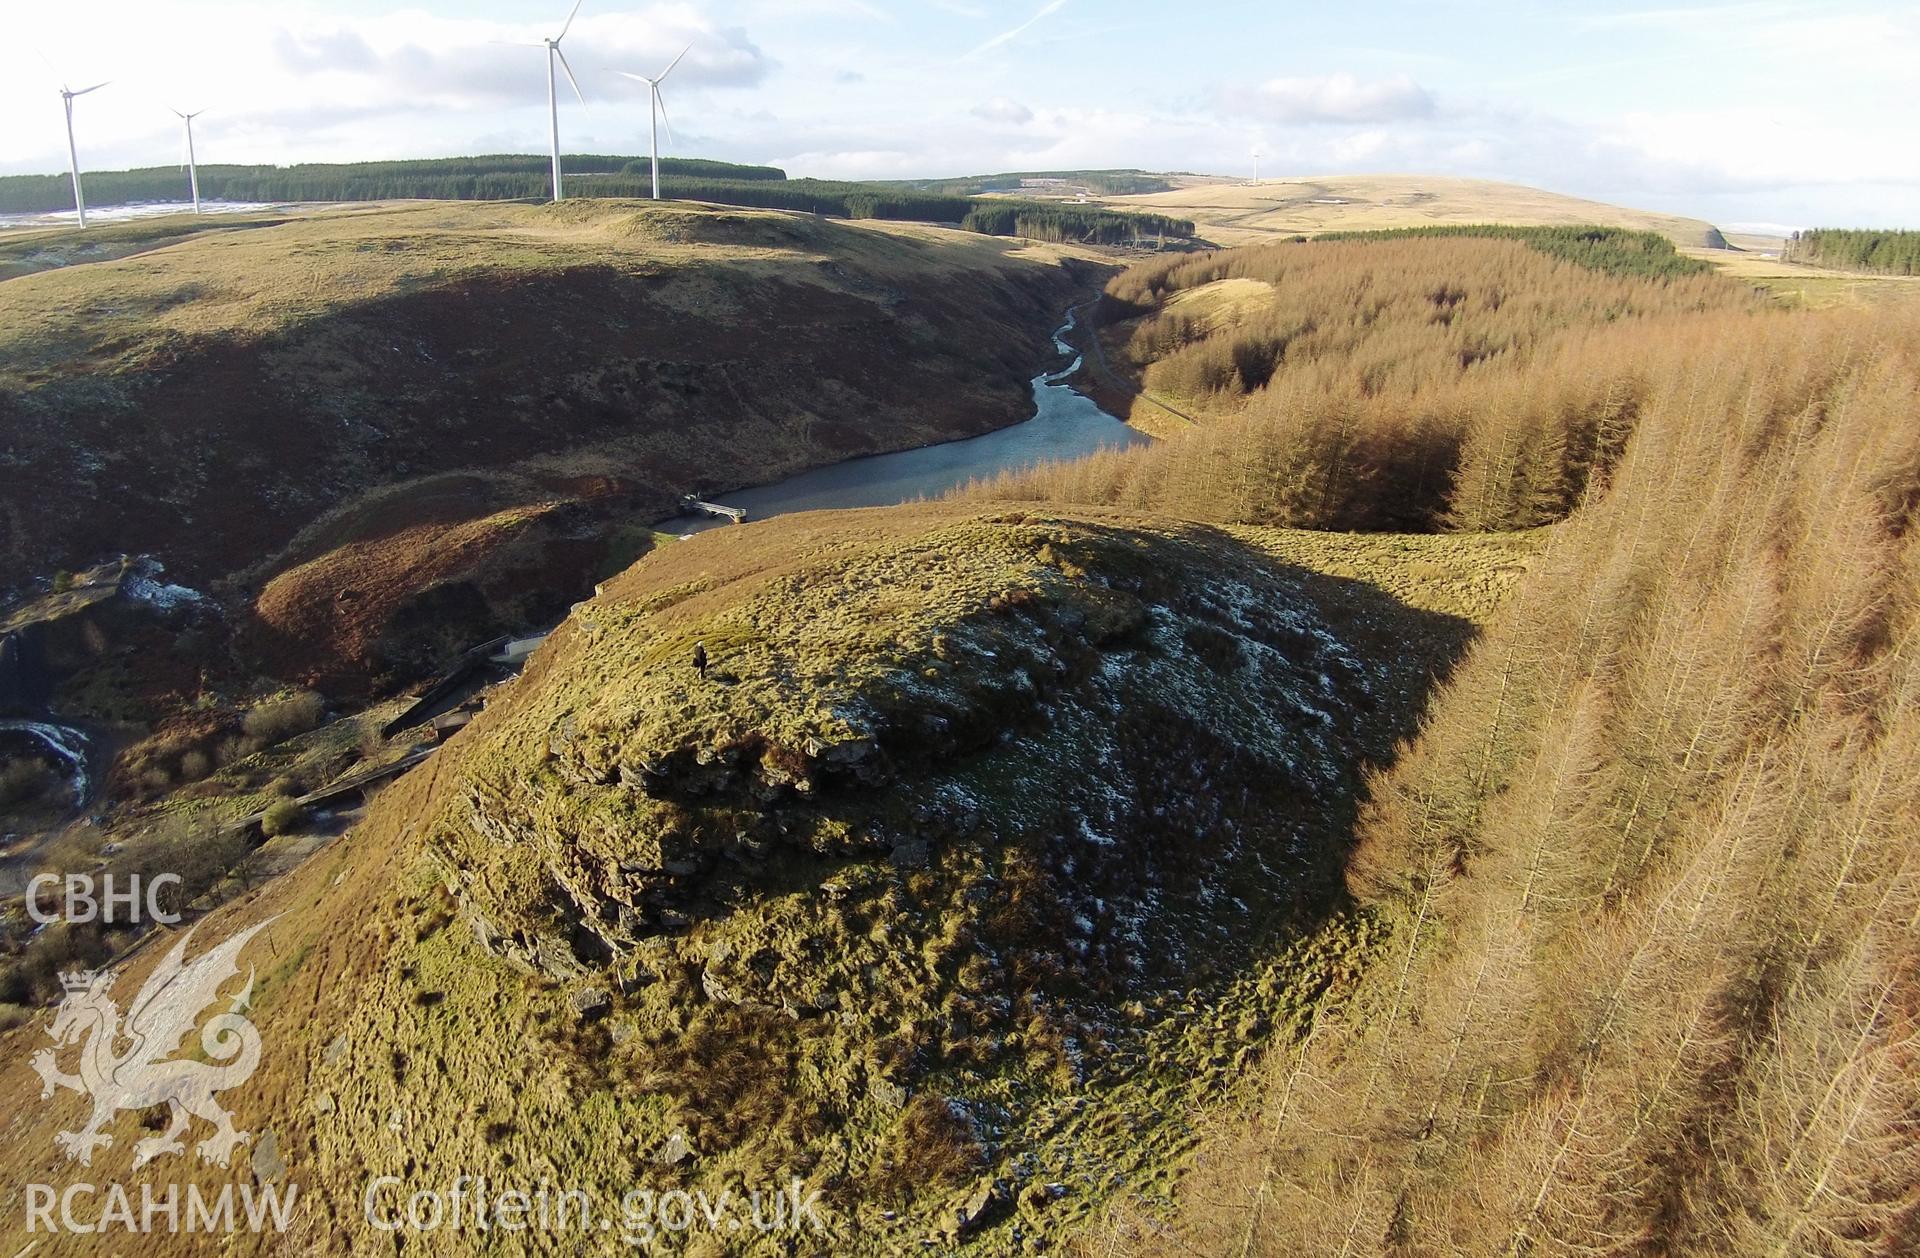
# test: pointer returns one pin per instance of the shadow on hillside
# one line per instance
(1412, 652)
(1414, 649)
(1405, 653)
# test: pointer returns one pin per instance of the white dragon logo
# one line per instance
(147, 1074)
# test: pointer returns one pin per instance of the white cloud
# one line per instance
(453, 61)
(315, 53)
(301, 82)
(1004, 110)
(1792, 112)
(1758, 146)
(1331, 98)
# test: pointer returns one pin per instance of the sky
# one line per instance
(1745, 112)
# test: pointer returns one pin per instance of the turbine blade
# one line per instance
(662, 101)
(514, 43)
(637, 78)
(569, 69)
(96, 87)
(676, 61)
(569, 26)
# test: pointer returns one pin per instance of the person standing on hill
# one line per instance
(700, 659)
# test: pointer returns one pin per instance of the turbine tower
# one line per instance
(73, 153)
(1256, 166)
(553, 99)
(193, 168)
(657, 105)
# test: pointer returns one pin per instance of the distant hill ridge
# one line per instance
(511, 177)
(486, 177)
(1237, 212)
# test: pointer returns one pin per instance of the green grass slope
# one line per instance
(996, 843)
(238, 387)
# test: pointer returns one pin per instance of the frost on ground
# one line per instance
(973, 805)
(144, 582)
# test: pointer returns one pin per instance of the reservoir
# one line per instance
(1065, 425)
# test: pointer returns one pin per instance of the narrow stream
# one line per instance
(1065, 425)
(65, 747)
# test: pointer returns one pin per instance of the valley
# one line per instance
(856, 876)
(340, 433)
(1393, 742)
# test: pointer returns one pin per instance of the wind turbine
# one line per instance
(73, 153)
(1256, 165)
(553, 100)
(657, 105)
(193, 169)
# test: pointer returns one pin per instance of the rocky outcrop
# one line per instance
(652, 800)
(929, 891)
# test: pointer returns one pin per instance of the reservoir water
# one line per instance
(1065, 425)
(129, 213)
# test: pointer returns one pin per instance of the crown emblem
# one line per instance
(75, 981)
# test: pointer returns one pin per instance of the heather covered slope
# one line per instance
(241, 399)
(996, 843)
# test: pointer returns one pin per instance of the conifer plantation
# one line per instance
(1646, 885)
(1881, 252)
(507, 177)
(1411, 382)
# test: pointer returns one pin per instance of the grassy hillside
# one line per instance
(1803, 286)
(245, 395)
(996, 845)
(510, 177)
(490, 177)
(1095, 865)
(1239, 213)
(1034, 182)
